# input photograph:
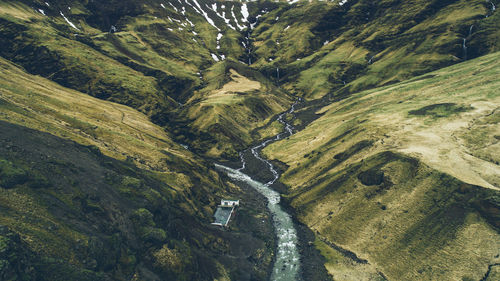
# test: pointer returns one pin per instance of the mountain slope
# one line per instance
(107, 194)
(160, 56)
(405, 176)
(324, 48)
(113, 112)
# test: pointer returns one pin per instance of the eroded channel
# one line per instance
(287, 264)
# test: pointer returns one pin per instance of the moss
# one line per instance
(10, 175)
(143, 217)
(440, 110)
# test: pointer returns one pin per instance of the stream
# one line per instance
(286, 265)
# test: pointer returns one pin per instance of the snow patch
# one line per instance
(172, 5)
(214, 56)
(341, 3)
(219, 36)
(67, 20)
(244, 12)
(209, 20)
(235, 20)
(42, 12)
(163, 6)
(192, 24)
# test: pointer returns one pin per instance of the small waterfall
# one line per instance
(464, 48)
(464, 43)
(277, 73)
(492, 9)
(247, 47)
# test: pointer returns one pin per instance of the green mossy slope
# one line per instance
(123, 200)
(402, 181)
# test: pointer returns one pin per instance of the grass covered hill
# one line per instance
(161, 55)
(92, 190)
(164, 55)
(112, 113)
(325, 48)
(405, 176)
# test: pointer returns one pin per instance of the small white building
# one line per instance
(225, 211)
(229, 203)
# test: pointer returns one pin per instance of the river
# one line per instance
(287, 261)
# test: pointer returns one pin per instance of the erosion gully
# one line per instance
(287, 264)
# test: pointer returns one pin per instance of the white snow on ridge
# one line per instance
(235, 20)
(227, 21)
(209, 20)
(42, 12)
(67, 20)
(172, 5)
(341, 3)
(214, 56)
(192, 24)
(219, 36)
(48, 5)
(244, 12)
(163, 6)
(223, 15)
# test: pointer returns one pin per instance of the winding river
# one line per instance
(287, 264)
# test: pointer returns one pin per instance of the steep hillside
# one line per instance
(153, 56)
(325, 48)
(237, 101)
(405, 176)
(113, 112)
(107, 194)
(160, 57)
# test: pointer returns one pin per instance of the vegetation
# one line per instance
(112, 113)
(104, 207)
(406, 214)
(324, 48)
